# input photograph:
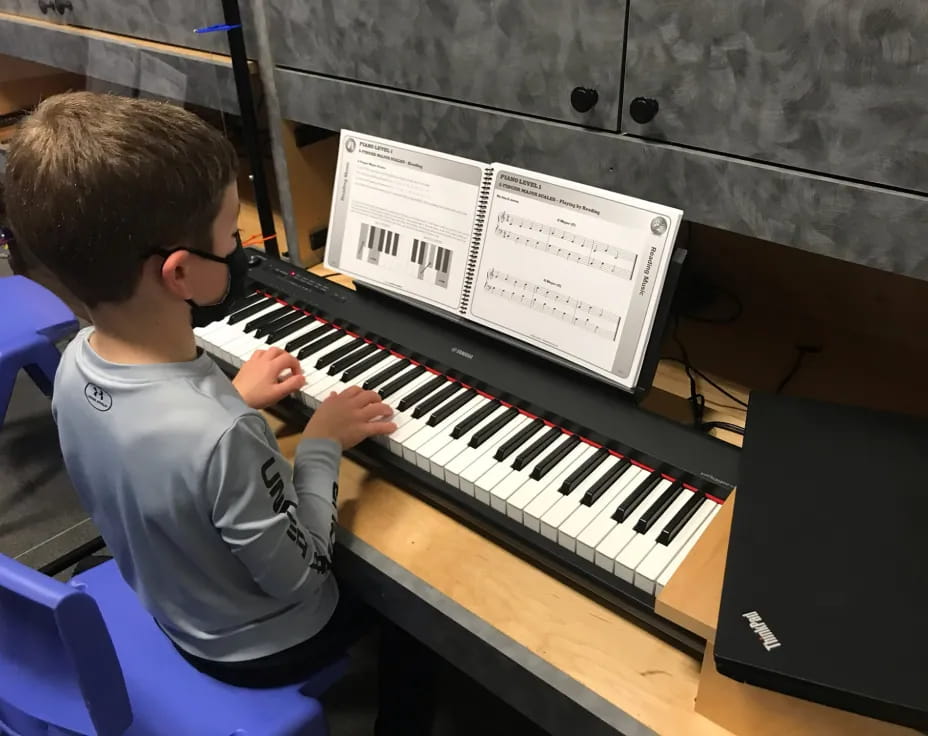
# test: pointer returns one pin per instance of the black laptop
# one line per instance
(826, 583)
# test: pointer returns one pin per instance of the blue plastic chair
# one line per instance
(86, 658)
(32, 320)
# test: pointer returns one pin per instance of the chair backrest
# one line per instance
(57, 662)
(36, 310)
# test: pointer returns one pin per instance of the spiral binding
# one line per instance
(480, 217)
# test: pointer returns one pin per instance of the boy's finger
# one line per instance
(273, 352)
(372, 411)
(284, 360)
(290, 385)
(363, 397)
(374, 428)
(351, 392)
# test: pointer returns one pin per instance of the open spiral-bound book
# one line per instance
(568, 269)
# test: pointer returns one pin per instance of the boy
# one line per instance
(132, 204)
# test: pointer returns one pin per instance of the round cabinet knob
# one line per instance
(583, 98)
(59, 5)
(643, 109)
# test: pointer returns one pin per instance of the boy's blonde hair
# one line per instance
(95, 183)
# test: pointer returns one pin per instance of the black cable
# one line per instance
(708, 380)
(728, 426)
(801, 352)
(738, 309)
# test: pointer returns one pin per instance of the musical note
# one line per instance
(591, 317)
(567, 245)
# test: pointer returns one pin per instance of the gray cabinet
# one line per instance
(525, 56)
(167, 21)
(837, 87)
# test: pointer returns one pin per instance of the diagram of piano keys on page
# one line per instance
(554, 303)
(381, 247)
(430, 256)
(567, 245)
(375, 242)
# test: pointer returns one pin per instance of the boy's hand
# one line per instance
(349, 417)
(259, 379)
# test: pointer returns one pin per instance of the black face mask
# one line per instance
(237, 263)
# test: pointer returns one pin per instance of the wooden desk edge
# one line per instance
(498, 662)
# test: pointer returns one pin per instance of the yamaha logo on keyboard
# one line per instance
(762, 630)
(463, 353)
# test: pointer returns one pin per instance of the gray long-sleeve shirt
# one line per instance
(227, 547)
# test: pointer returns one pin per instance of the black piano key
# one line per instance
(266, 318)
(657, 508)
(279, 334)
(386, 374)
(420, 393)
(316, 345)
(365, 365)
(245, 313)
(536, 448)
(518, 439)
(577, 477)
(277, 324)
(446, 410)
(609, 478)
(669, 532)
(492, 427)
(366, 349)
(435, 400)
(307, 337)
(340, 352)
(631, 501)
(473, 419)
(548, 462)
(398, 383)
(247, 301)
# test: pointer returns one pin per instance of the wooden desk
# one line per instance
(564, 660)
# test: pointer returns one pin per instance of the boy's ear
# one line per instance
(175, 274)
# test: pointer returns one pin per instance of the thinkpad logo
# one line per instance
(97, 397)
(763, 631)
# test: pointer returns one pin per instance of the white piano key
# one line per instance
(599, 527)
(577, 522)
(284, 341)
(494, 478)
(614, 542)
(417, 437)
(636, 550)
(402, 418)
(650, 569)
(566, 505)
(551, 494)
(340, 385)
(441, 439)
(410, 425)
(415, 448)
(454, 457)
(461, 469)
(671, 568)
(532, 488)
(486, 461)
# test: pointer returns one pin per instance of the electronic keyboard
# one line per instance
(559, 466)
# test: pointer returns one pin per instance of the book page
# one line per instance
(573, 269)
(402, 217)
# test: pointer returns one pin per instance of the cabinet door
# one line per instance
(167, 21)
(527, 56)
(832, 86)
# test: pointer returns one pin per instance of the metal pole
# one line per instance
(246, 103)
